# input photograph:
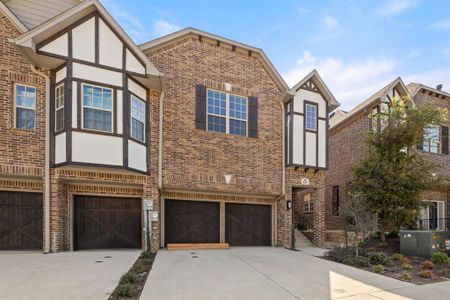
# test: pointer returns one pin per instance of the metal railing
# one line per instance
(305, 226)
(434, 224)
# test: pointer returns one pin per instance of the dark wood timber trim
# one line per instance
(115, 114)
(291, 135)
(105, 85)
(79, 106)
(97, 41)
(97, 132)
(125, 111)
(52, 116)
(68, 112)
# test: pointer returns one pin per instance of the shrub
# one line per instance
(382, 244)
(340, 254)
(393, 234)
(146, 254)
(427, 265)
(426, 274)
(123, 290)
(139, 267)
(397, 256)
(406, 276)
(360, 261)
(407, 266)
(379, 258)
(405, 260)
(378, 269)
(440, 258)
(127, 278)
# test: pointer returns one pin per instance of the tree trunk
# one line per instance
(382, 235)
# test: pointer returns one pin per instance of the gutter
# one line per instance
(47, 159)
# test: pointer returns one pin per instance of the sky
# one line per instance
(357, 46)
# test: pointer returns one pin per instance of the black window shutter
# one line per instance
(253, 117)
(444, 131)
(200, 107)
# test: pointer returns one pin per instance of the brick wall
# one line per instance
(199, 159)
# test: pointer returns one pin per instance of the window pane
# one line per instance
(238, 107)
(216, 123)
(216, 103)
(24, 118)
(238, 127)
(137, 130)
(432, 139)
(311, 115)
(59, 119)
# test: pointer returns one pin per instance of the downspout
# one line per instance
(47, 159)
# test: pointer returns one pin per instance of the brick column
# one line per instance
(59, 214)
(319, 216)
(150, 190)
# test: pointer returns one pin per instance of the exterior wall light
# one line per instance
(288, 204)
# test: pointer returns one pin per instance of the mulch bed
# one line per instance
(132, 283)
(441, 272)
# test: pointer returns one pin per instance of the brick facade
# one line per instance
(346, 147)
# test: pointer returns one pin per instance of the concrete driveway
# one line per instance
(272, 273)
(66, 275)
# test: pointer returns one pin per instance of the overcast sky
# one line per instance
(357, 46)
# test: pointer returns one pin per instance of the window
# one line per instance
(227, 113)
(308, 204)
(137, 118)
(59, 107)
(25, 102)
(335, 200)
(97, 108)
(432, 139)
(311, 117)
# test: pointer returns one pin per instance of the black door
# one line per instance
(191, 222)
(107, 222)
(433, 215)
(248, 224)
(21, 216)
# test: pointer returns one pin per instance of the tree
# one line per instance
(391, 176)
(357, 218)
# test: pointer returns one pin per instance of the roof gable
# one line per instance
(181, 34)
(315, 83)
(13, 18)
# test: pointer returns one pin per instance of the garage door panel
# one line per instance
(21, 221)
(107, 222)
(192, 221)
(248, 224)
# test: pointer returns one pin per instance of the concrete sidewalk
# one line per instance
(65, 275)
(272, 273)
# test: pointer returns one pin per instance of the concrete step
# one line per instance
(301, 241)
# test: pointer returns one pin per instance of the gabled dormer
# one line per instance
(99, 92)
(307, 120)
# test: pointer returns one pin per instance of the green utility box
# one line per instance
(423, 243)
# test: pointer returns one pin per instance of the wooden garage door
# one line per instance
(21, 216)
(248, 224)
(107, 222)
(191, 222)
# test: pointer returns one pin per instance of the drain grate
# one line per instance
(107, 256)
(195, 256)
(98, 261)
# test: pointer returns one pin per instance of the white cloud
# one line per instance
(431, 78)
(442, 24)
(392, 7)
(303, 10)
(162, 27)
(351, 82)
(330, 22)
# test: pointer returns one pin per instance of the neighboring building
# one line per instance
(91, 128)
(347, 146)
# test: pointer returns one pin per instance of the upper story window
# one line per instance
(59, 107)
(97, 108)
(227, 113)
(308, 204)
(25, 106)
(432, 139)
(311, 117)
(137, 118)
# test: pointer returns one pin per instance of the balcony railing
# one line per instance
(434, 224)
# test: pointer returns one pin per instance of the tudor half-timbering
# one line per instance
(90, 105)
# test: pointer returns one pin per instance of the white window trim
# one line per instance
(102, 109)
(315, 119)
(23, 107)
(429, 141)
(59, 108)
(227, 112)
(310, 204)
(444, 209)
(131, 118)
